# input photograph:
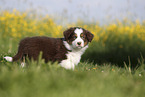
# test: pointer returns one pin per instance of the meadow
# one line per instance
(112, 66)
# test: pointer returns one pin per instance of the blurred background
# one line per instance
(66, 11)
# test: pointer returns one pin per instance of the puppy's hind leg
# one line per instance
(23, 62)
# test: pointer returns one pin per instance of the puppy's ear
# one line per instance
(67, 33)
(89, 35)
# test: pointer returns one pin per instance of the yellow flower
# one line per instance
(113, 69)
(2, 18)
(13, 30)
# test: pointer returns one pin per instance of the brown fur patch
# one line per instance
(52, 49)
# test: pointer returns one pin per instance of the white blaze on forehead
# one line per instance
(78, 39)
(78, 31)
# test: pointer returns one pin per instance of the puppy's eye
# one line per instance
(75, 37)
(82, 37)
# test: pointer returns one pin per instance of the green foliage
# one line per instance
(39, 79)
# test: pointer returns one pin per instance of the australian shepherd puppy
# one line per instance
(67, 51)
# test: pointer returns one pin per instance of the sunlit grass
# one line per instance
(41, 79)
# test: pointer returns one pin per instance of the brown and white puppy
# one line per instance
(67, 51)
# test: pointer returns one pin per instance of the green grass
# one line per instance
(39, 79)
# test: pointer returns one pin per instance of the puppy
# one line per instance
(67, 51)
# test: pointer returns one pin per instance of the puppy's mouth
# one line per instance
(78, 46)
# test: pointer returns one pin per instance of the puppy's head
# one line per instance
(78, 37)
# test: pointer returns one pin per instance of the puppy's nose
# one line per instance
(79, 43)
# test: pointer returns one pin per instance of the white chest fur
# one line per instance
(73, 58)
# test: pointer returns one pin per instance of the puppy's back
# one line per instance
(31, 46)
